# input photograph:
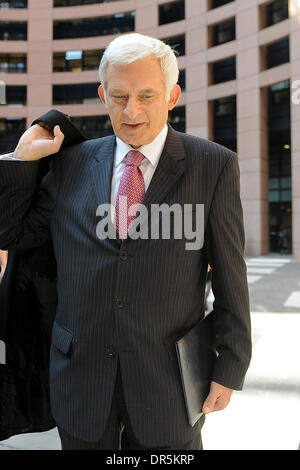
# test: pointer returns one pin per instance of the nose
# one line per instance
(132, 108)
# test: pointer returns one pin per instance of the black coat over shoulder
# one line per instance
(28, 300)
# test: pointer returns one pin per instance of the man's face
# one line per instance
(136, 101)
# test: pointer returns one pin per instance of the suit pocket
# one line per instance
(62, 338)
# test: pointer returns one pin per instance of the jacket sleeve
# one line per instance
(225, 250)
(25, 207)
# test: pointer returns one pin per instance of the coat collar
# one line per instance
(102, 170)
(170, 167)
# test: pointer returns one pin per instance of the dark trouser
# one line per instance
(118, 434)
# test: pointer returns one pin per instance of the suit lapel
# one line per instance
(168, 171)
(101, 176)
(102, 171)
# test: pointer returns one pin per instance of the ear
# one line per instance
(101, 94)
(174, 96)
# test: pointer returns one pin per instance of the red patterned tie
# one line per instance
(131, 189)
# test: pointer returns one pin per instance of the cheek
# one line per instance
(115, 113)
(159, 115)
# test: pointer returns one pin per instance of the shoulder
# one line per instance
(204, 152)
(83, 153)
(90, 145)
(195, 144)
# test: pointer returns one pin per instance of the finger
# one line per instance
(58, 133)
(215, 402)
(209, 403)
(58, 136)
(220, 404)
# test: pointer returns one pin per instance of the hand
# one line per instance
(3, 261)
(38, 142)
(218, 398)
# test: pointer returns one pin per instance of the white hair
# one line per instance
(128, 48)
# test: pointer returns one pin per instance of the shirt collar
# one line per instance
(151, 151)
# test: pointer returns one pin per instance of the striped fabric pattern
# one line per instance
(130, 300)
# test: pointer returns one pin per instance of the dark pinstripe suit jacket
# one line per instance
(132, 300)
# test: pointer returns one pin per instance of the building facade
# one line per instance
(239, 64)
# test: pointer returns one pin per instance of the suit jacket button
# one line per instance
(119, 303)
(111, 351)
(123, 255)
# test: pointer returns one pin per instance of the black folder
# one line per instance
(196, 356)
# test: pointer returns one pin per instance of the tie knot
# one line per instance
(134, 158)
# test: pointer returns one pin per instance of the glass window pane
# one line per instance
(11, 130)
(172, 11)
(223, 32)
(277, 53)
(224, 70)
(219, 3)
(177, 43)
(88, 27)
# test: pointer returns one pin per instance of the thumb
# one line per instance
(58, 136)
(57, 132)
(209, 404)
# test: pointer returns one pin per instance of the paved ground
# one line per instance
(266, 414)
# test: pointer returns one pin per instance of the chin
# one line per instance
(134, 142)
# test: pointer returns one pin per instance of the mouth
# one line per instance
(133, 127)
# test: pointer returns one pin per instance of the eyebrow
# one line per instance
(116, 90)
(147, 90)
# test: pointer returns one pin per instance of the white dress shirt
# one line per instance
(9, 156)
(152, 153)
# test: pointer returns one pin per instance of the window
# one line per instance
(16, 95)
(75, 61)
(86, 93)
(222, 32)
(276, 11)
(170, 12)
(88, 27)
(11, 130)
(13, 4)
(223, 70)
(181, 79)
(13, 30)
(177, 118)
(13, 63)
(177, 43)
(279, 142)
(277, 53)
(69, 3)
(224, 121)
(219, 3)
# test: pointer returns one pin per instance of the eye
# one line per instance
(119, 97)
(146, 97)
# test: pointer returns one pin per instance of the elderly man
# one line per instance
(123, 300)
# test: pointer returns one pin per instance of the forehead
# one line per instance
(140, 74)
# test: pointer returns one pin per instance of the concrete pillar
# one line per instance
(39, 62)
(294, 12)
(197, 116)
(251, 132)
